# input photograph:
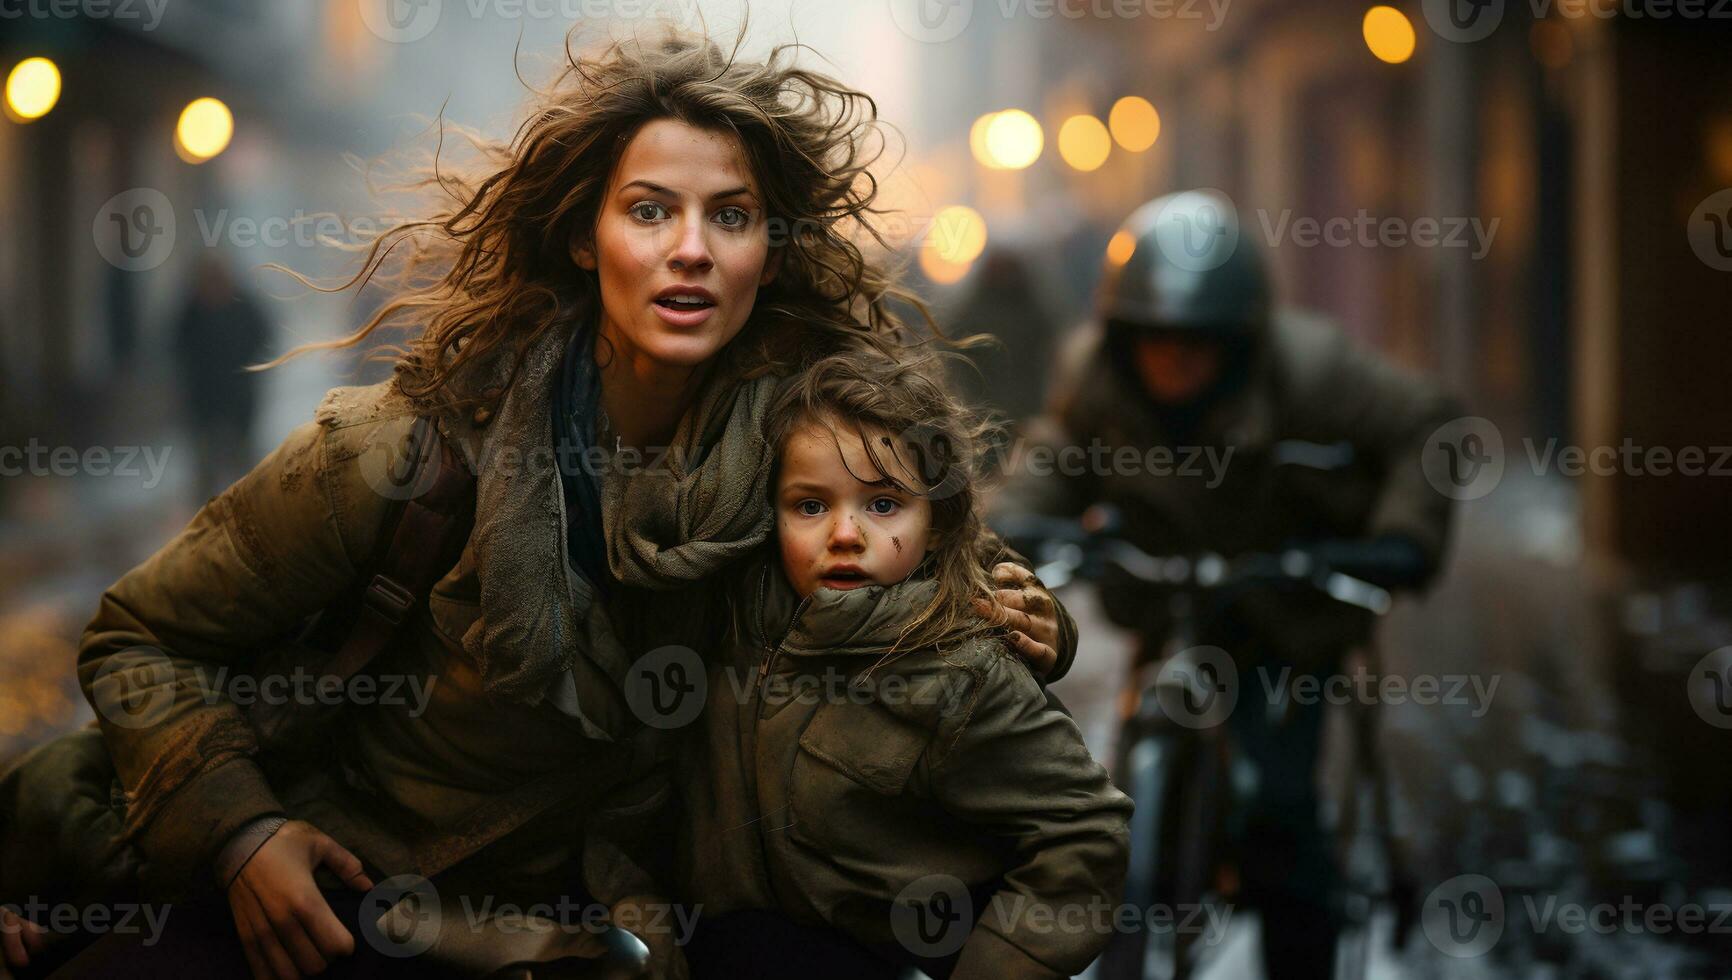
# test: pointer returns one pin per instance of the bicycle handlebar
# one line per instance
(1067, 549)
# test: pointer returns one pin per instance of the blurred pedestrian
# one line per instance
(1009, 376)
(220, 330)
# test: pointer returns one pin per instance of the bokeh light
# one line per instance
(1014, 139)
(957, 234)
(1389, 34)
(1083, 142)
(1135, 123)
(32, 89)
(977, 141)
(204, 130)
(1120, 247)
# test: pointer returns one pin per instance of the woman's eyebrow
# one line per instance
(656, 188)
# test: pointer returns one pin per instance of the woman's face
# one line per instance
(680, 247)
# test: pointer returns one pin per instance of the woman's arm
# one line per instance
(1007, 762)
(281, 543)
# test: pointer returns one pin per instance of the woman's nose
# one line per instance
(692, 250)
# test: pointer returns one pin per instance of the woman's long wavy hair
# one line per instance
(924, 441)
(490, 262)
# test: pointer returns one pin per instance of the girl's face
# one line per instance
(680, 246)
(840, 524)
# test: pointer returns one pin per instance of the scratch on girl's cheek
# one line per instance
(897, 542)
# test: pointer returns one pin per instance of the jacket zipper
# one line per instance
(772, 652)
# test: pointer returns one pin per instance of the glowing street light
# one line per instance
(32, 89)
(957, 234)
(1389, 34)
(1135, 123)
(953, 241)
(204, 130)
(1120, 247)
(1014, 139)
(977, 142)
(1083, 142)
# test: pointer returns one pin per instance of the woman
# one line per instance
(665, 234)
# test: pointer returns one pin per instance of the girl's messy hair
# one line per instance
(490, 262)
(899, 407)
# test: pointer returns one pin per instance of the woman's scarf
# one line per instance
(577, 398)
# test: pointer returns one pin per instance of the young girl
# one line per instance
(874, 760)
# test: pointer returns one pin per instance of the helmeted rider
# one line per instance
(1213, 422)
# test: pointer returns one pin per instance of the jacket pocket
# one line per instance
(873, 748)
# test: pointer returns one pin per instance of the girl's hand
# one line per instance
(1027, 608)
(19, 939)
(287, 928)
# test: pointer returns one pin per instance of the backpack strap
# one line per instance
(420, 539)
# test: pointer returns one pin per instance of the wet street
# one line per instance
(1551, 788)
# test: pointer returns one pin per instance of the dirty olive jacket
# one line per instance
(1232, 485)
(520, 663)
(822, 787)
(518, 667)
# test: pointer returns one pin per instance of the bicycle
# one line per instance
(1174, 755)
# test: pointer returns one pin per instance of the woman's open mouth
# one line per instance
(685, 307)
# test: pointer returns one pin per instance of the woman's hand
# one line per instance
(19, 940)
(1027, 608)
(287, 928)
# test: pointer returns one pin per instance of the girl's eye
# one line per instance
(647, 210)
(810, 508)
(883, 506)
(733, 217)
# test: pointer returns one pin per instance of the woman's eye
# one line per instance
(733, 217)
(809, 508)
(647, 210)
(883, 506)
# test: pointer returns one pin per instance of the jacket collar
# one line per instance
(855, 622)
